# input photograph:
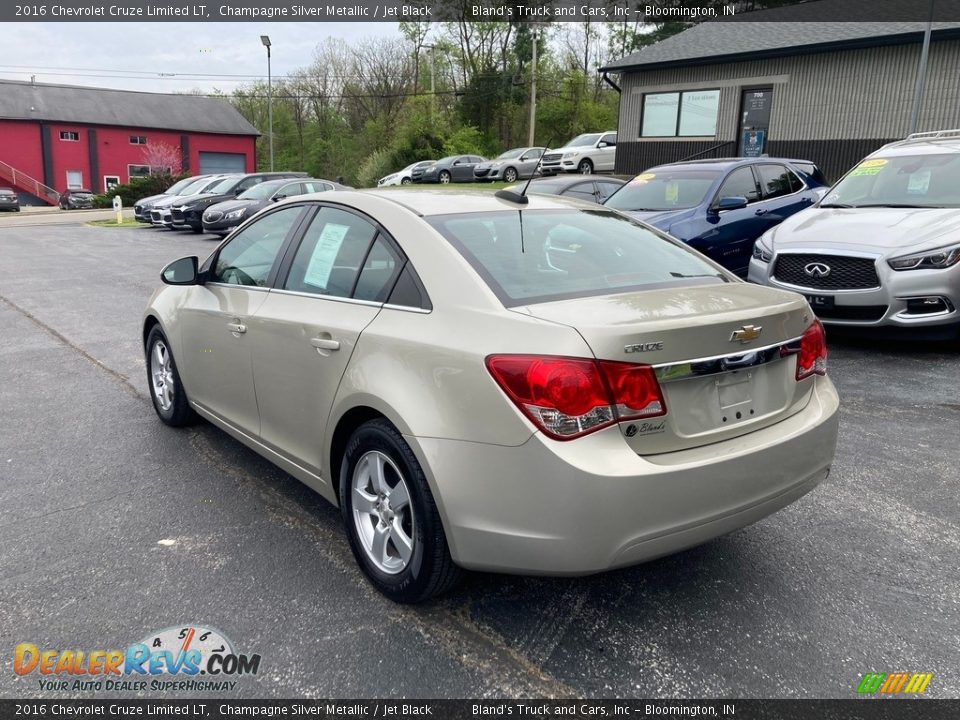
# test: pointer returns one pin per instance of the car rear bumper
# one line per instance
(592, 504)
(886, 306)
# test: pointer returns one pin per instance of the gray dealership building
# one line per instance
(830, 92)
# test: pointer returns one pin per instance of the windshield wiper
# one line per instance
(837, 205)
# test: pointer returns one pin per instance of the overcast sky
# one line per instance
(105, 54)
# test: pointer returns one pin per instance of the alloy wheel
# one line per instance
(161, 373)
(382, 512)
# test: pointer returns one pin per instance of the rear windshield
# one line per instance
(561, 254)
(921, 181)
(664, 189)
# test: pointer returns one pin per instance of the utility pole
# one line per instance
(433, 87)
(533, 87)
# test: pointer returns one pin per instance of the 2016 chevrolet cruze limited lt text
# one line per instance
(538, 387)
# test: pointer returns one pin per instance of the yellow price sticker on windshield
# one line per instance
(671, 191)
(868, 167)
(644, 178)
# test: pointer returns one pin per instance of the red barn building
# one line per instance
(54, 137)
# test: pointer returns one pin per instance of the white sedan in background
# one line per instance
(405, 176)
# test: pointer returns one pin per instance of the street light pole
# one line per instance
(265, 39)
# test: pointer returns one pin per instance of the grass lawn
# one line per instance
(127, 223)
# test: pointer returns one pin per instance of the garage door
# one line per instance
(211, 162)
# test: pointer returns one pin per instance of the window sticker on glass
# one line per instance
(671, 191)
(868, 167)
(640, 179)
(324, 255)
(919, 182)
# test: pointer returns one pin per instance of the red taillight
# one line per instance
(569, 397)
(812, 355)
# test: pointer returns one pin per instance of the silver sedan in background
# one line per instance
(513, 165)
(533, 385)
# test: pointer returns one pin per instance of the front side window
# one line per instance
(582, 191)
(777, 181)
(740, 183)
(559, 254)
(250, 255)
(692, 113)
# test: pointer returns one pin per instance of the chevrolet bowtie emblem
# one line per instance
(746, 333)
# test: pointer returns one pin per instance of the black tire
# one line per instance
(197, 230)
(179, 413)
(510, 175)
(405, 181)
(585, 167)
(430, 570)
(444, 177)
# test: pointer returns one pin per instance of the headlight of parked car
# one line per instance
(571, 154)
(930, 260)
(763, 248)
(235, 214)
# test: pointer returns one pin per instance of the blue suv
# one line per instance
(720, 207)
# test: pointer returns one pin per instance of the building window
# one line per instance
(70, 135)
(110, 182)
(680, 114)
(138, 171)
(138, 139)
(74, 179)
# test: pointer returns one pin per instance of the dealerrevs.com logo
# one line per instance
(188, 658)
(894, 683)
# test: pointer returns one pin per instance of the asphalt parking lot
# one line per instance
(113, 526)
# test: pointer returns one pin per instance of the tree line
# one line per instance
(363, 110)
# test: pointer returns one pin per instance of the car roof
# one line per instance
(931, 146)
(437, 202)
(729, 162)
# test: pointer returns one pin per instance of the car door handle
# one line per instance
(237, 327)
(325, 343)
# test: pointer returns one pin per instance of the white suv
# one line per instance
(882, 247)
(585, 154)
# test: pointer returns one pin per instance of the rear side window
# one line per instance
(560, 254)
(811, 170)
(582, 191)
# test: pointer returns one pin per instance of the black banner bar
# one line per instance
(217, 709)
(623, 11)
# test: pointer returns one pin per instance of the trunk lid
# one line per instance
(716, 385)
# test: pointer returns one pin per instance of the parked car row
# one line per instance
(217, 204)
(879, 249)
(584, 154)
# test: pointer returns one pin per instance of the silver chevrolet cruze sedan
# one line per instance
(541, 387)
(882, 247)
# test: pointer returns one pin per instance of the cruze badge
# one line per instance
(643, 347)
(817, 269)
(746, 333)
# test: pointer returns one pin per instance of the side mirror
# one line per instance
(732, 202)
(275, 198)
(184, 271)
(602, 145)
(238, 191)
